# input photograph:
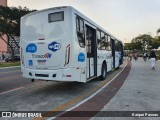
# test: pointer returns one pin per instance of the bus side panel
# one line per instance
(104, 56)
(78, 52)
(100, 59)
(117, 59)
(109, 61)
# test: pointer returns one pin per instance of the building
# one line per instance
(4, 48)
(12, 42)
(3, 45)
(3, 2)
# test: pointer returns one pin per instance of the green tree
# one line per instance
(142, 42)
(156, 42)
(10, 23)
(158, 31)
(137, 43)
(128, 46)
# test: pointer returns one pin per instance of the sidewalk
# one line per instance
(140, 92)
(136, 89)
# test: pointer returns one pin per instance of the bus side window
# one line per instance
(103, 42)
(80, 31)
(106, 42)
(117, 45)
(109, 43)
(99, 39)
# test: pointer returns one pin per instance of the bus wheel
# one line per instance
(103, 71)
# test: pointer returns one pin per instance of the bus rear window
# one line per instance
(58, 16)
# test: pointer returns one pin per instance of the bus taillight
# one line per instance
(22, 58)
(67, 55)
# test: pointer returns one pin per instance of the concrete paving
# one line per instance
(140, 92)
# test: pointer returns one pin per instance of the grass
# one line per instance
(9, 64)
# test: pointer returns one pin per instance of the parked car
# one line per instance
(16, 58)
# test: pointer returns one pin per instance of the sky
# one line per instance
(125, 19)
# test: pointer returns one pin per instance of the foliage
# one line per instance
(142, 42)
(158, 31)
(10, 20)
(10, 23)
(156, 42)
(137, 44)
(128, 46)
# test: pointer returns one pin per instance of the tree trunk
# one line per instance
(13, 38)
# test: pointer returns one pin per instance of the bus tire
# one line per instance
(103, 72)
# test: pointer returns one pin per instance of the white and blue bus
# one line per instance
(62, 44)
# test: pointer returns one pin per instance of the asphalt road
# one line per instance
(11, 79)
(19, 94)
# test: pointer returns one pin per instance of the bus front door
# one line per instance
(91, 52)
